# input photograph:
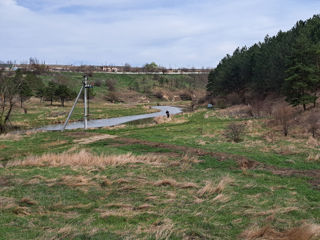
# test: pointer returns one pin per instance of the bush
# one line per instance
(186, 96)
(113, 97)
(234, 131)
(220, 103)
(283, 114)
(158, 94)
(111, 84)
(313, 123)
(98, 83)
(233, 99)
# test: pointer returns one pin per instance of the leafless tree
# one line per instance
(9, 85)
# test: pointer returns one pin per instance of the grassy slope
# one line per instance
(131, 205)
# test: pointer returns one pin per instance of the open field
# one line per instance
(177, 178)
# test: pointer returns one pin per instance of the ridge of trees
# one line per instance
(287, 64)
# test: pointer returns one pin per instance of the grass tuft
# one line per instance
(85, 159)
(210, 189)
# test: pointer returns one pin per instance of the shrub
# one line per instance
(113, 97)
(233, 99)
(234, 131)
(158, 94)
(186, 96)
(98, 83)
(256, 108)
(111, 84)
(283, 114)
(313, 123)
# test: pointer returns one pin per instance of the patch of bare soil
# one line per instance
(88, 140)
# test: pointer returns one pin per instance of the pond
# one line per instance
(115, 121)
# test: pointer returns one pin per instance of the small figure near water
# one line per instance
(168, 114)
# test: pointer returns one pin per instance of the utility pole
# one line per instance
(85, 83)
(84, 88)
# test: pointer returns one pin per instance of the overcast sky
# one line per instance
(173, 33)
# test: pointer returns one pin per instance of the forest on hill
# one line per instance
(287, 64)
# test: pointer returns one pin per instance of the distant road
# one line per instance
(115, 121)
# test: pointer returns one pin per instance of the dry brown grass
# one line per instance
(174, 183)
(313, 142)
(223, 183)
(144, 206)
(166, 182)
(122, 181)
(190, 159)
(22, 210)
(221, 198)
(236, 111)
(105, 182)
(10, 136)
(163, 229)
(210, 188)
(75, 181)
(313, 157)
(119, 205)
(86, 159)
(35, 180)
(93, 139)
(171, 119)
(28, 201)
(65, 231)
(7, 202)
(280, 210)
(304, 232)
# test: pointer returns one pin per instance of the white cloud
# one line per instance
(176, 32)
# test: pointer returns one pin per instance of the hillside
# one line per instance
(287, 64)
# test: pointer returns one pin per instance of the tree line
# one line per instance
(19, 86)
(286, 64)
